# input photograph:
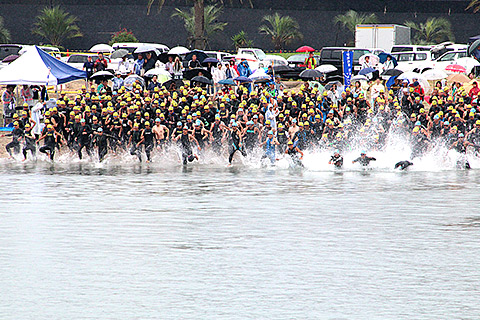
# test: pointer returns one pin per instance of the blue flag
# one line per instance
(347, 67)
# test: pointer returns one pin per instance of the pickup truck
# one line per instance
(263, 59)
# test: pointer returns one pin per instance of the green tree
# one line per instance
(240, 40)
(211, 24)
(350, 19)
(475, 5)
(434, 30)
(123, 35)
(4, 33)
(282, 30)
(199, 39)
(56, 25)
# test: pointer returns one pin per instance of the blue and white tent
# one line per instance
(36, 67)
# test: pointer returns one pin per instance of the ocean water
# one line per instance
(123, 240)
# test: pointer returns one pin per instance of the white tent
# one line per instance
(36, 67)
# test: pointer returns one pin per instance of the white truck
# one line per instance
(258, 58)
(383, 36)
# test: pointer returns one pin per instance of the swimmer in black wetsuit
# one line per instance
(293, 152)
(17, 136)
(363, 159)
(336, 160)
(148, 140)
(30, 142)
(50, 140)
(186, 145)
(236, 140)
(403, 165)
(461, 147)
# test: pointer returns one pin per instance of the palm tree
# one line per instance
(434, 30)
(56, 25)
(4, 33)
(281, 30)
(240, 40)
(351, 19)
(199, 11)
(211, 24)
(475, 5)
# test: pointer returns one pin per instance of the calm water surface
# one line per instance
(78, 241)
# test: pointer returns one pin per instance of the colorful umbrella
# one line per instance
(305, 49)
(455, 68)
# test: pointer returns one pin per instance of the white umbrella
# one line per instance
(102, 74)
(434, 74)
(410, 76)
(373, 59)
(101, 47)
(162, 74)
(359, 77)
(147, 48)
(179, 50)
(326, 68)
(259, 74)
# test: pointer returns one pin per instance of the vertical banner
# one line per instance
(347, 67)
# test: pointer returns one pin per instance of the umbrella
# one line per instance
(310, 74)
(329, 85)
(102, 75)
(162, 74)
(201, 79)
(392, 72)
(259, 75)
(242, 79)
(132, 79)
(435, 74)
(189, 74)
(455, 68)
(10, 58)
(305, 49)
(227, 82)
(279, 69)
(179, 50)
(457, 77)
(101, 47)
(120, 53)
(359, 77)
(373, 59)
(383, 57)
(474, 49)
(147, 48)
(163, 57)
(410, 76)
(173, 84)
(366, 71)
(199, 53)
(211, 60)
(326, 68)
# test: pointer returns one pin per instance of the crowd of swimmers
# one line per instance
(251, 121)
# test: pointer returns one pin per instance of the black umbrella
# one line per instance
(189, 74)
(201, 79)
(102, 75)
(120, 53)
(310, 74)
(163, 57)
(474, 49)
(209, 60)
(172, 85)
(392, 72)
(279, 69)
(199, 53)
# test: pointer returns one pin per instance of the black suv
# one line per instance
(333, 56)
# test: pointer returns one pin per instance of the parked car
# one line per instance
(297, 65)
(334, 56)
(418, 61)
(77, 60)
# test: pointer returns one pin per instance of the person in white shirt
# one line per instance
(169, 65)
(218, 74)
(124, 66)
(271, 114)
(388, 64)
(376, 88)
